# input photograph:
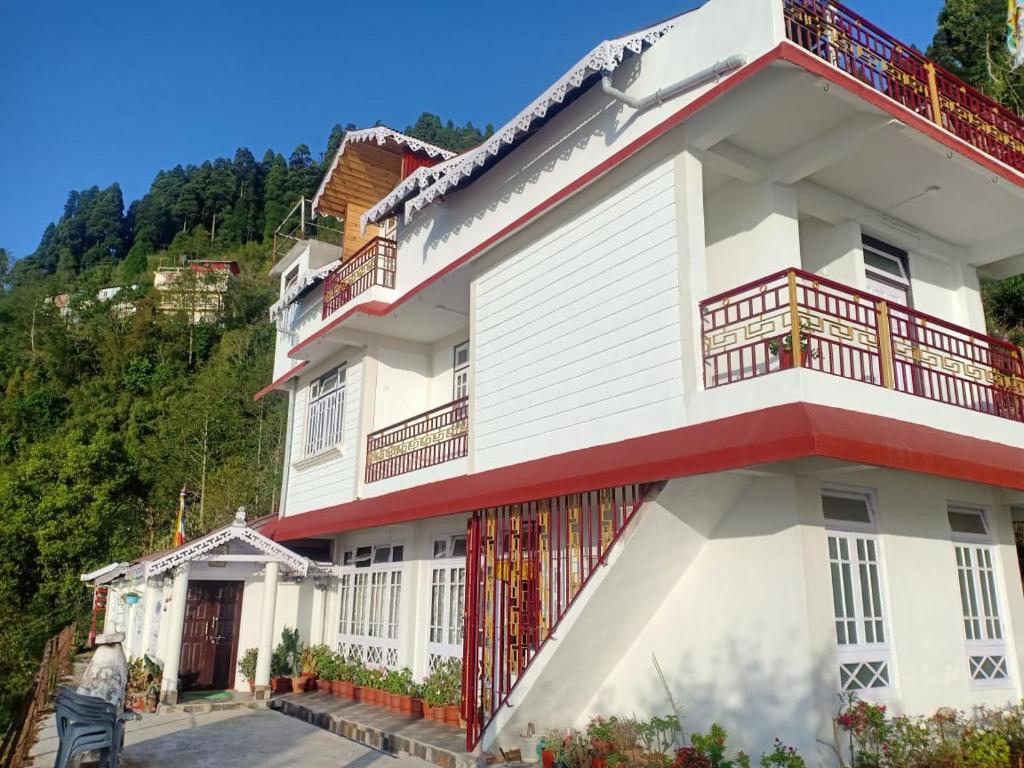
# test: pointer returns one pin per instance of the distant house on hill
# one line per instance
(197, 288)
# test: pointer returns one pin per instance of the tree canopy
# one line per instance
(111, 406)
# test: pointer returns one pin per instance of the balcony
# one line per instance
(302, 224)
(839, 36)
(794, 319)
(373, 264)
(434, 437)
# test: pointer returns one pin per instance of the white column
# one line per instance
(316, 621)
(175, 631)
(150, 596)
(266, 642)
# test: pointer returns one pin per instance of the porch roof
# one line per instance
(157, 563)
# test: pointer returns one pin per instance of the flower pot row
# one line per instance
(397, 702)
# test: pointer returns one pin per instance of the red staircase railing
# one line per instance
(373, 264)
(796, 319)
(849, 42)
(525, 566)
(434, 437)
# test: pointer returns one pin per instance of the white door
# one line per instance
(447, 600)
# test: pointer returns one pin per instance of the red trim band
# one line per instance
(780, 433)
(279, 381)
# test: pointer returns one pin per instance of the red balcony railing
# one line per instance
(795, 319)
(373, 264)
(439, 435)
(836, 34)
(525, 566)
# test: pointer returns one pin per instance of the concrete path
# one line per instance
(232, 739)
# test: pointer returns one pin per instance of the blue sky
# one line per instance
(115, 90)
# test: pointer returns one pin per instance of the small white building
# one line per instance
(688, 359)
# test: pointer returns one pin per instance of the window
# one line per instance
(976, 575)
(447, 599)
(862, 646)
(460, 385)
(370, 603)
(326, 410)
(291, 278)
(885, 269)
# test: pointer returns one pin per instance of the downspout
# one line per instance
(714, 72)
(285, 471)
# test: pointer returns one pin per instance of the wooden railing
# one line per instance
(794, 319)
(20, 733)
(373, 264)
(525, 566)
(302, 223)
(841, 37)
(434, 437)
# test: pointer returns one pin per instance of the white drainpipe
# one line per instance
(714, 72)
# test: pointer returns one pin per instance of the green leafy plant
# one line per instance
(287, 658)
(782, 756)
(247, 664)
(575, 751)
(137, 676)
(713, 747)
(322, 657)
(398, 681)
(307, 659)
(551, 741)
(443, 685)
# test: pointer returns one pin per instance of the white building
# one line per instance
(689, 360)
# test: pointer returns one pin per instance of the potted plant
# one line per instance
(576, 751)
(599, 733)
(286, 663)
(308, 661)
(326, 668)
(449, 676)
(416, 700)
(137, 684)
(550, 748)
(247, 667)
(782, 348)
(347, 672)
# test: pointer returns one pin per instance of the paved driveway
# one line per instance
(234, 739)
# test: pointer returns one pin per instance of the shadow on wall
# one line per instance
(756, 702)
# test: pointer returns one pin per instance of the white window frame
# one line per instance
(984, 627)
(371, 605)
(862, 551)
(325, 413)
(291, 277)
(444, 636)
(902, 280)
(460, 372)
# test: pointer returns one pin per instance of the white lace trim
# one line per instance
(411, 185)
(606, 57)
(306, 279)
(381, 135)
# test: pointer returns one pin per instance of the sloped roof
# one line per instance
(382, 136)
(419, 190)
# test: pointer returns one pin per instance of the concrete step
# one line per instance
(380, 728)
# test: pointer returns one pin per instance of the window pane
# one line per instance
(882, 263)
(395, 604)
(967, 521)
(437, 590)
(842, 509)
(459, 546)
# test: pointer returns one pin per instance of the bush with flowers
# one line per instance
(868, 737)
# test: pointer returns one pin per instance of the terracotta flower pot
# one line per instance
(282, 685)
(395, 701)
(336, 688)
(417, 707)
(451, 715)
(324, 686)
(298, 684)
(380, 698)
(348, 689)
(405, 704)
(785, 358)
(436, 714)
(358, 693)
(547, 758)
(598, 762)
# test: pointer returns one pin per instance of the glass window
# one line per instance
(326, 411)
(460, 387)
(970, 521)
(846, 509)
(857, 604)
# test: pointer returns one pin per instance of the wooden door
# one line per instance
(209, 643)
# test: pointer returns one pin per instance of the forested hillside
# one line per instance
(107, 414)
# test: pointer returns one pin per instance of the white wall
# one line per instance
(579, 326)
(745, 632)
(752, 231)
(329, 478)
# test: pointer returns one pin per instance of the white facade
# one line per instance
(567, 293)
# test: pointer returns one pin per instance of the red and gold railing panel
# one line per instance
(839, 36)
(373, 264)
(525, 566)
(795, 319)
(434, 437)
